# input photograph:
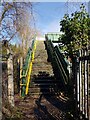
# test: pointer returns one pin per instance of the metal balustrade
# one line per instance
(26, 70)
(58, 63)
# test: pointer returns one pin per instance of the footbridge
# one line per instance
(54, 87)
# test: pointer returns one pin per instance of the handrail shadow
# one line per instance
(64, 105)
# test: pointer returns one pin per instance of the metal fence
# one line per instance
(81, 74)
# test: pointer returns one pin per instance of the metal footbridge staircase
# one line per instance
(38, 74)
(45, 74)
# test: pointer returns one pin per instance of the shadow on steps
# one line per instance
(50, 104)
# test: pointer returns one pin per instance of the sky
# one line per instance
(43, 0)
(49, 14)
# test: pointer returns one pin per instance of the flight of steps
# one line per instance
(43, 85)
(42, 77)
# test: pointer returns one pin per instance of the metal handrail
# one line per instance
(26, 70)
(58, 62)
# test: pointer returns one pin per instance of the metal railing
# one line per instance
(58, 63)
(26, 70)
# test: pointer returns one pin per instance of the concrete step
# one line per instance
(45, 81)
(38, 95)
(42, 93)
(42, 68)
(42, 84)
(43, 90)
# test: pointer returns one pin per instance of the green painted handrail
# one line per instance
(58, 62)
(25, 69)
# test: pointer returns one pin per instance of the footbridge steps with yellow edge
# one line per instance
(42, 77)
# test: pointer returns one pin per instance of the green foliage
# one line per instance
(76, 30)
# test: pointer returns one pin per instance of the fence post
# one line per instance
(80, 84)
(74, 69)
(86, 86)
(10, 78)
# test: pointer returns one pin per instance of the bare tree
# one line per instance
(15, 20)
